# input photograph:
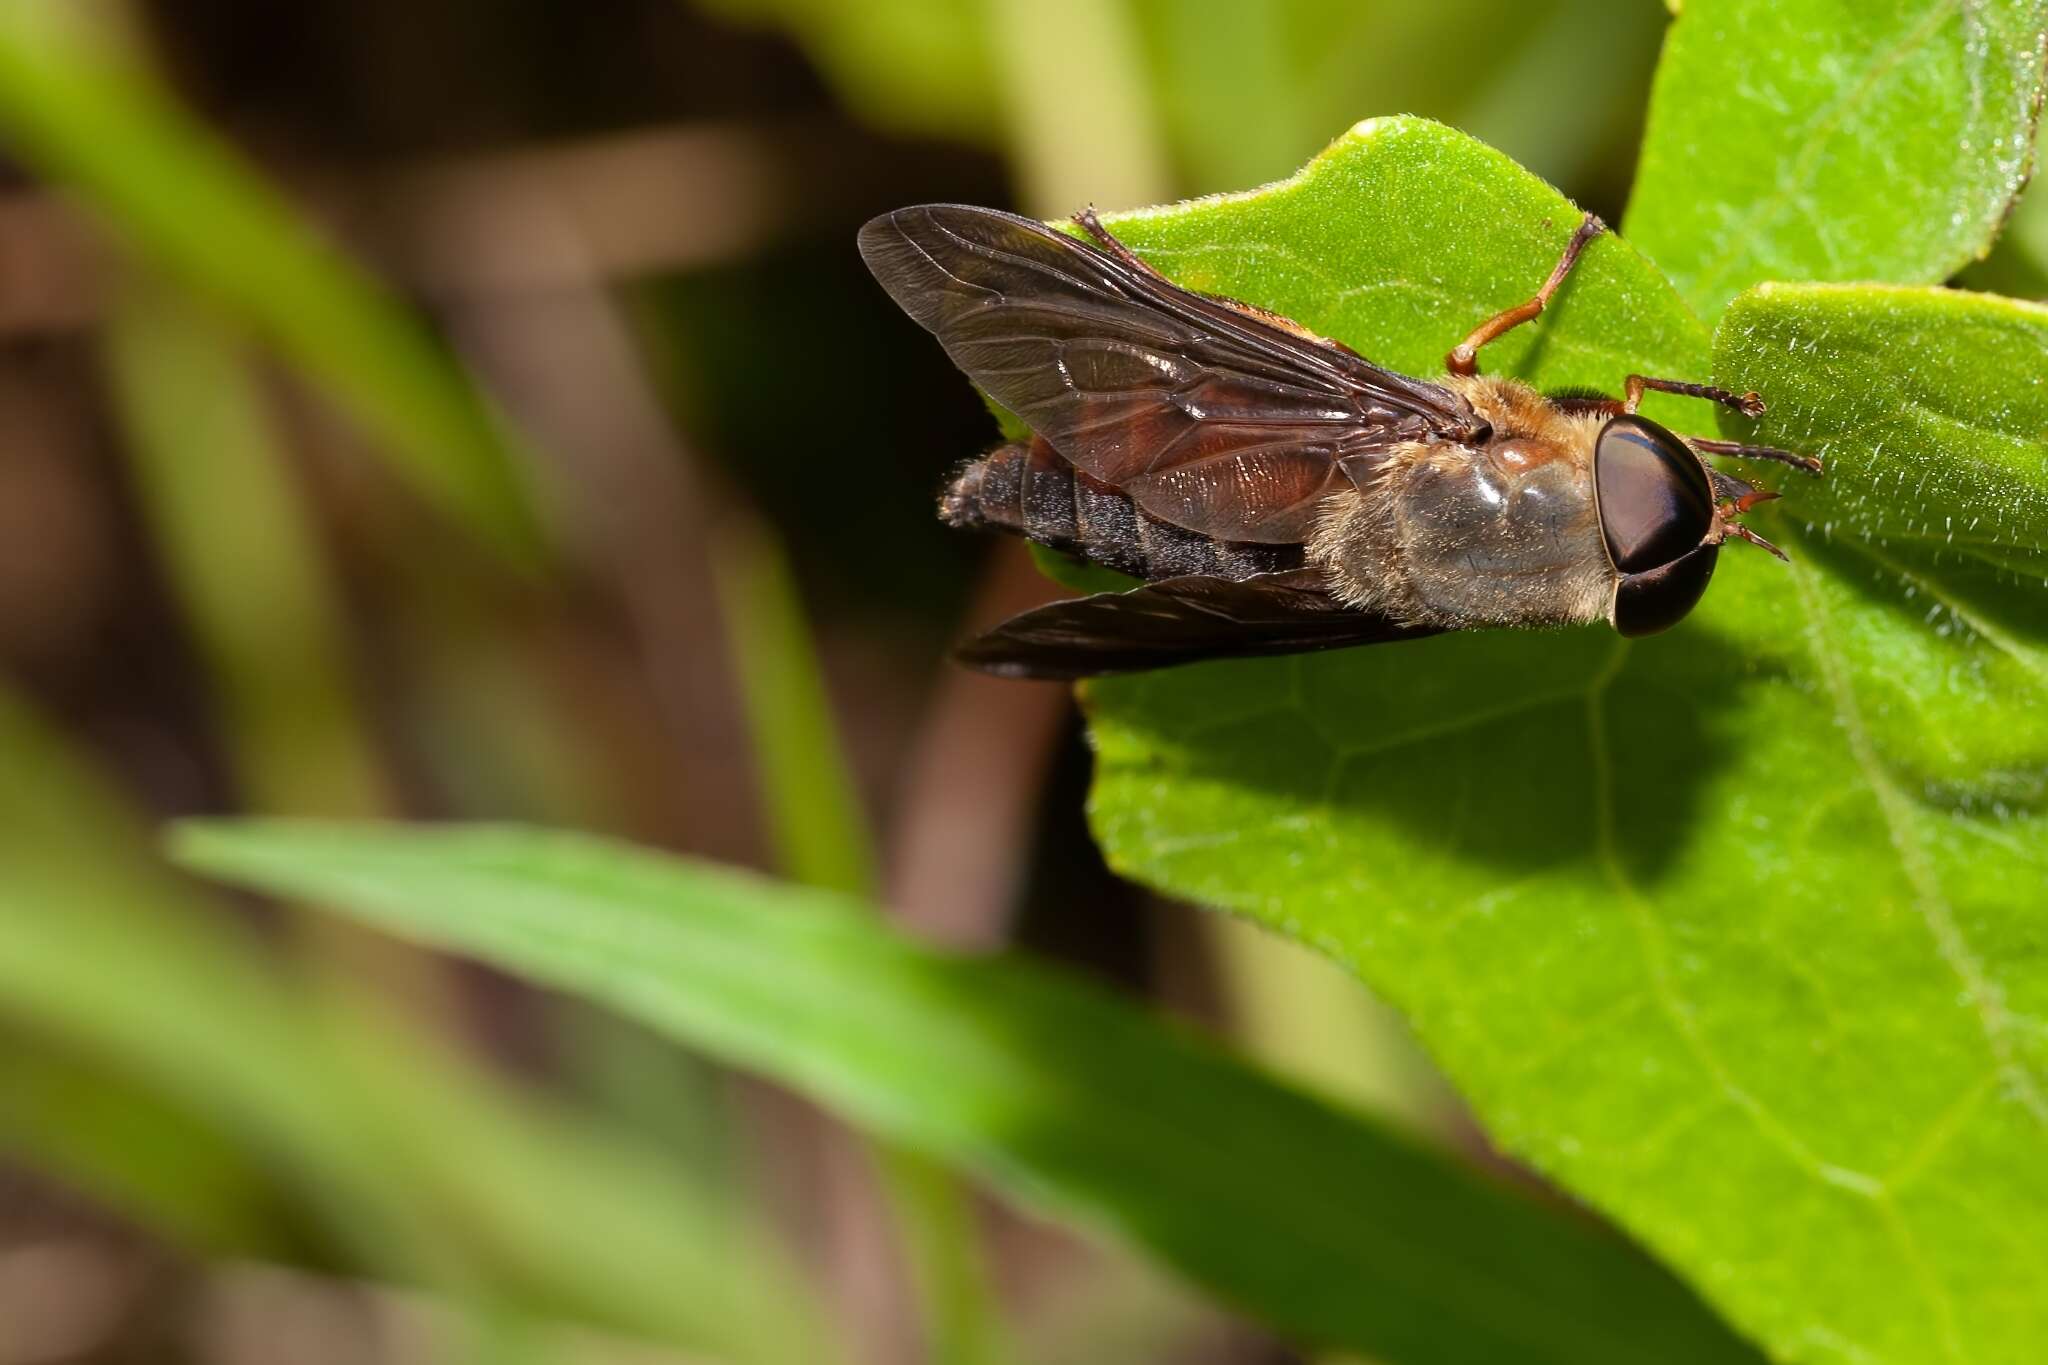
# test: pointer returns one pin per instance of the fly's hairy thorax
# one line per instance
(1503, 534)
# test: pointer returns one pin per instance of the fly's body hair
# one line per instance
(1518, 412)
(1449, 536)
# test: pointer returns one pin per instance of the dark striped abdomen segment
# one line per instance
(1029, 490)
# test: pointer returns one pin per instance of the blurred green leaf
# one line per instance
(81, 112)
(1078, 574)
(1733, 931)
(2030, 229)
(413, 1165)
(1835, 140)
(911, 66)
(1232, 87)
(1247, 92)
(1323, 1224)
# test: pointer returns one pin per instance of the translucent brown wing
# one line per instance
(1207, 414)
(1178, 621)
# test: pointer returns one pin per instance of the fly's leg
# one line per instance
(1106, 239)
(1743, 532)
(1808, 463)
(1464, 357)
(1748, 404)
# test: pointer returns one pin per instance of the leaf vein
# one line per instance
(1650, 941)
(1896, 808)
(2026, 658)
(1797, 169)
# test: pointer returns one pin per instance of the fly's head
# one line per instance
(1664, 513)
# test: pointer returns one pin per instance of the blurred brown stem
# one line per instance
(973, 781)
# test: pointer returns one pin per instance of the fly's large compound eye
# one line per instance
(1652, 495)
(1645, 603)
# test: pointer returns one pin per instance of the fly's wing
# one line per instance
(1178, 621)
(1210, 415)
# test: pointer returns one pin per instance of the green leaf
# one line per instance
(85, 115)
(1325, 1225)
(1734, 931)
(1402, 236)
(1835, 139)
(1929, 551)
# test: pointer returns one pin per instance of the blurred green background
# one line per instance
(440, 409)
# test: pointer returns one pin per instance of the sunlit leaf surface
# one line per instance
(1835, 139)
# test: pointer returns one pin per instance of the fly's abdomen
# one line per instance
(1030, 491)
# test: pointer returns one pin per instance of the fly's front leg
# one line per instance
(1464, 357)
(1749, 404)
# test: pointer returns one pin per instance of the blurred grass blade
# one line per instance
(812, 809)
(814, 814)
(1326, 1226)
(77, 110)
(94, 1130)
(223, 511)
(1080, 115)
(934, 1214)
(413, 1166)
